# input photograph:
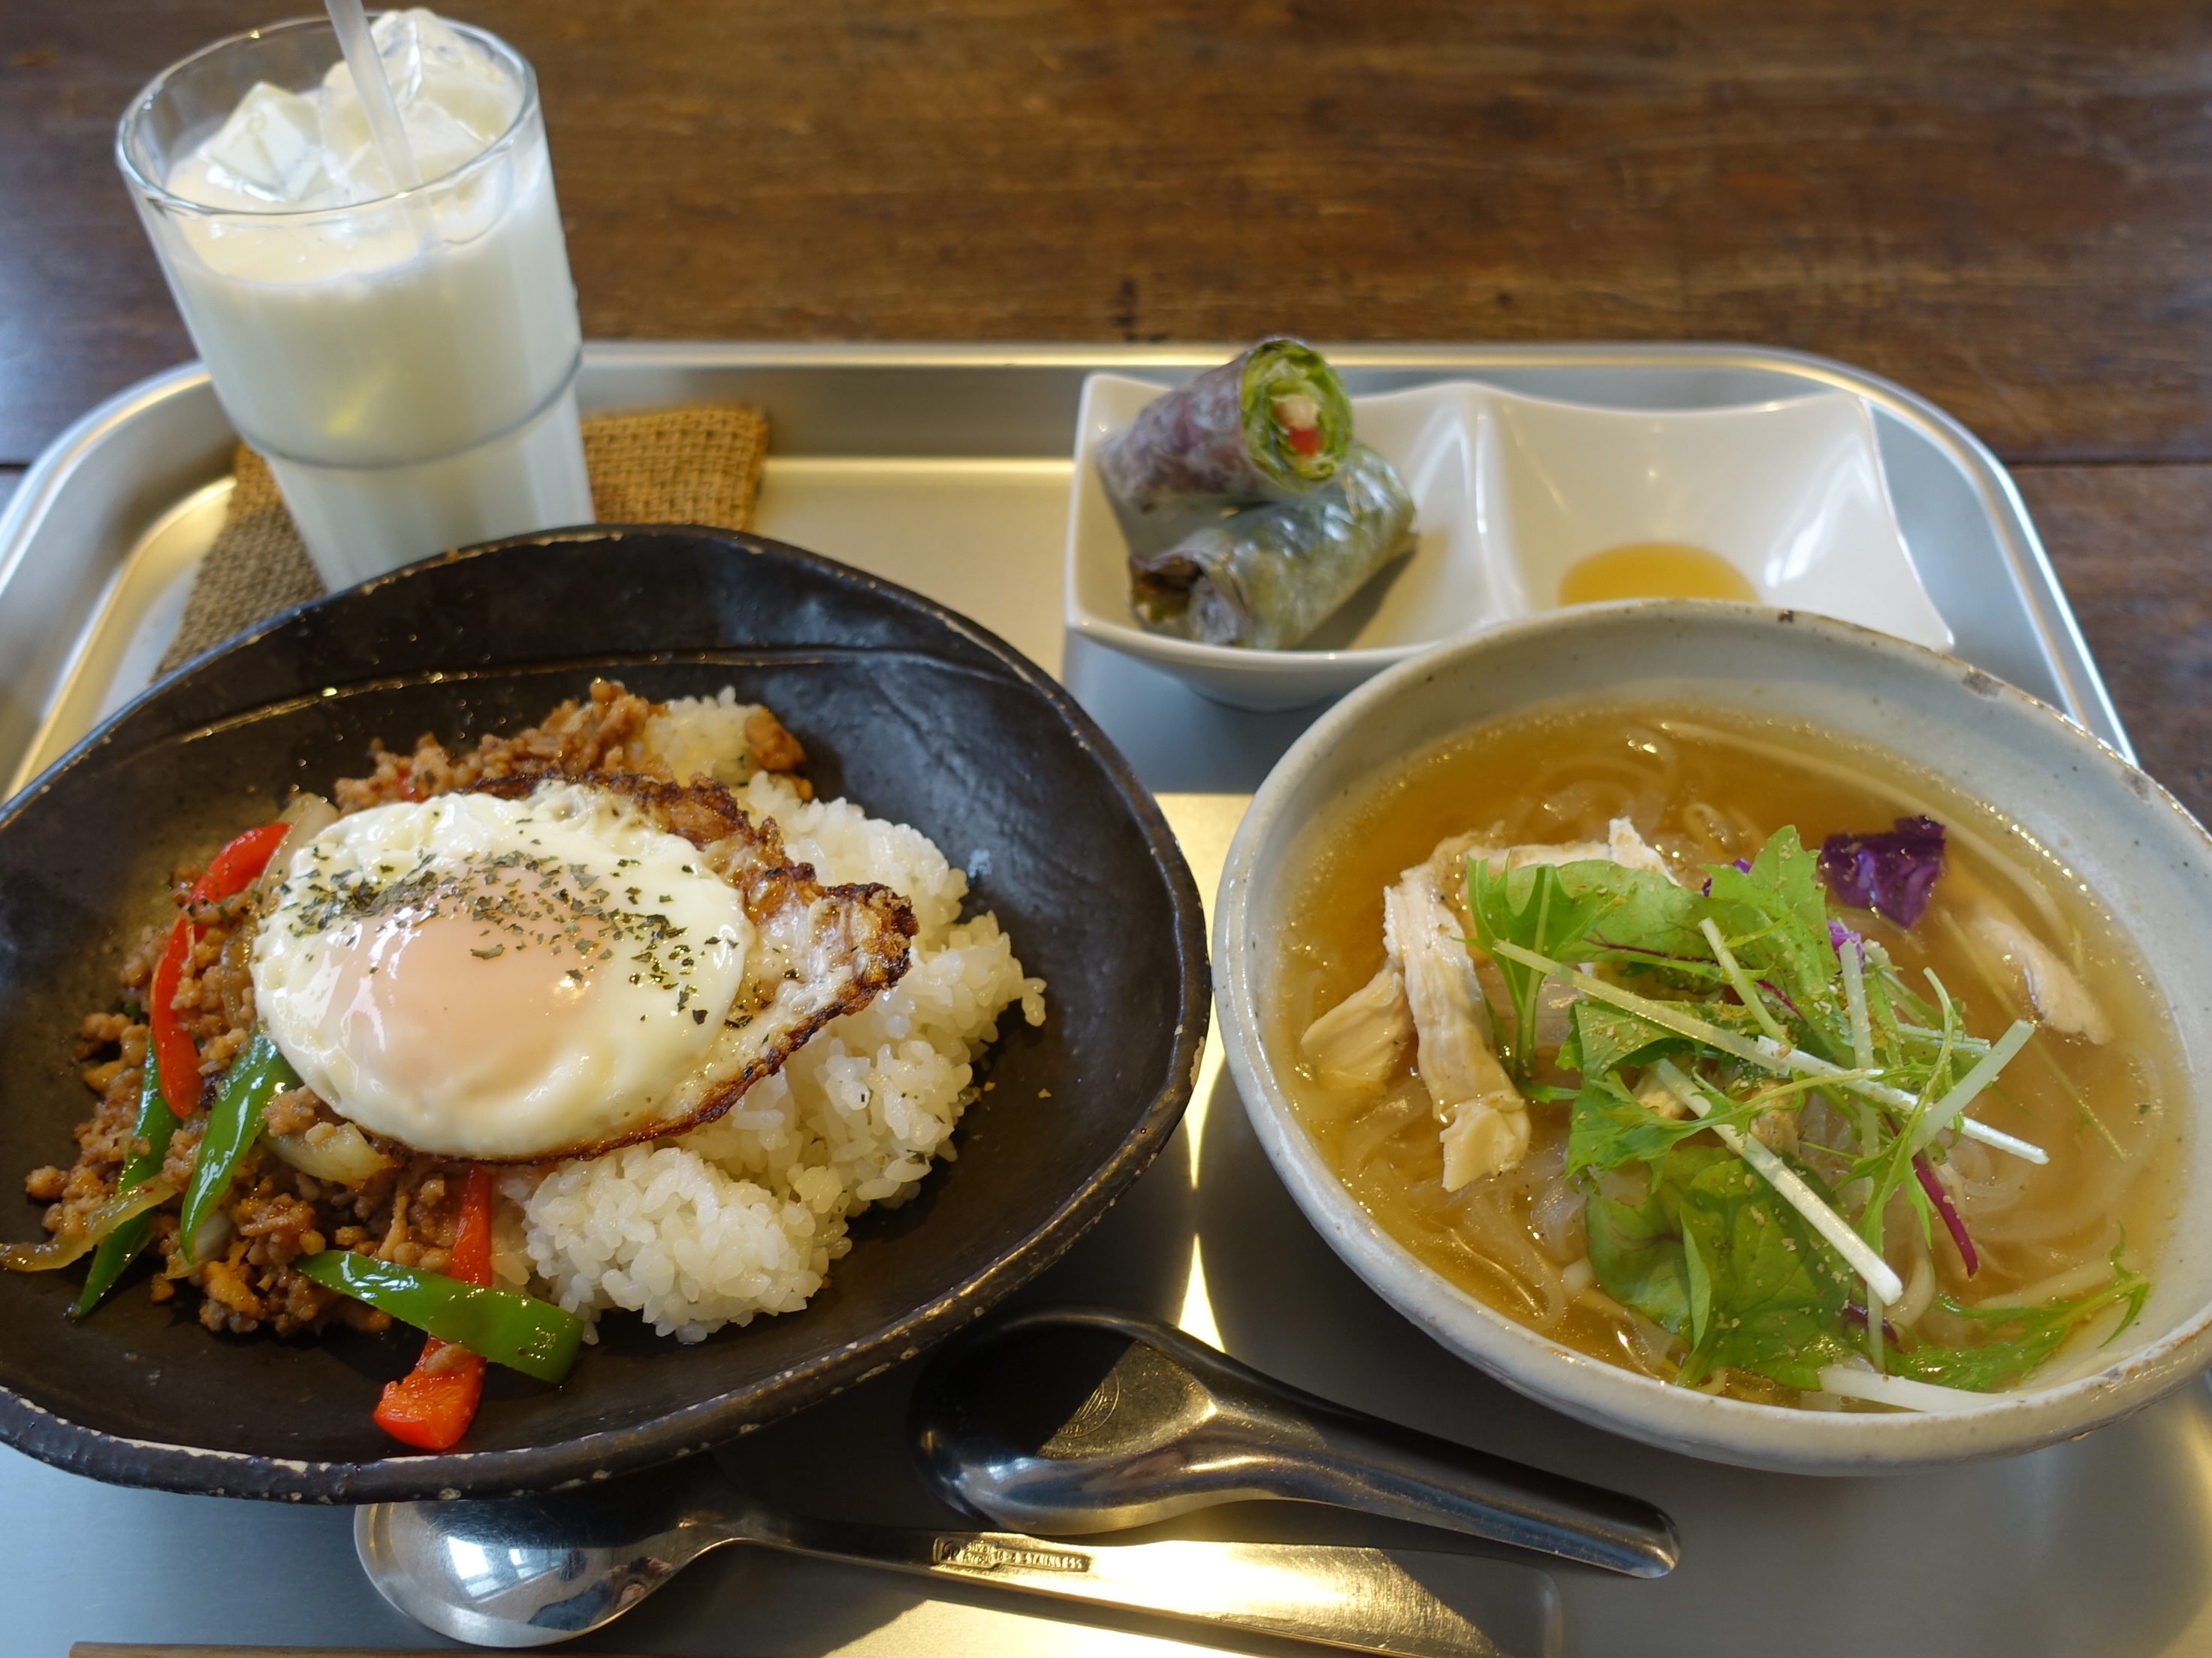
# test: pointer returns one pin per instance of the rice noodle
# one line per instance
(1387, 1118)
(2099, 1184)
(1556, 1217)
(1707, 820)
(1919, 1287)
(1988, 1184)
(1593, 800)
(1603, 788)
(2071, 1284)
(1488, 1223)
(1650, 740)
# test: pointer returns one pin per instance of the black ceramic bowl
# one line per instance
(911, 710)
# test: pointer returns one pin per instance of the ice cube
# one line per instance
(417, 45)
(271, 146)
(441, 141)
(454, 100)
(444, 70)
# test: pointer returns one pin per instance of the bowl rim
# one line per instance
(406, 1477)
(1601, 1394)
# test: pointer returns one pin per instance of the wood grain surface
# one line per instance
(2007, 208)
(2129, 544)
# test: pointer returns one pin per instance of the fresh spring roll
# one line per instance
(1274, 424)
(1269, 576)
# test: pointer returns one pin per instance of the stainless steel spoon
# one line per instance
(530, 1571)
(1068, 1421)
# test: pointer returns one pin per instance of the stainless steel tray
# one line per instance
(946, 467)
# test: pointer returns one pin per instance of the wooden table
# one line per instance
(2006, 208)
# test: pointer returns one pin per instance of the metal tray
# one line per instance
(946, 468)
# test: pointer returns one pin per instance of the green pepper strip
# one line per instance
(519, 1331)
(155, 1123)
(256, 1077)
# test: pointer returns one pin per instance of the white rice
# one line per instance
(745, 1214)
(705, 737)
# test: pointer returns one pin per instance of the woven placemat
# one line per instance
(699, 465)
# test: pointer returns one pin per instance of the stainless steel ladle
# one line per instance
(1068, 1421)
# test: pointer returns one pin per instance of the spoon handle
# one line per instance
(1279, 1441)
(1363, 1600)
(1357, 1461)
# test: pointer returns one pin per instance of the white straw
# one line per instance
(367, 63)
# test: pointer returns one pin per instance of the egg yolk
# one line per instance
(440, 1005)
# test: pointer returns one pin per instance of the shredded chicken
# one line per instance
(1776, 1131)
(1486, 1121)
(1622, 845)
(1431, 992)
(1359, 1042)
(2052, 987)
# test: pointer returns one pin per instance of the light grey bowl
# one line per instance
(2147, 859)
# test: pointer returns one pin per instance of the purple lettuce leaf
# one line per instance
(1891, 874)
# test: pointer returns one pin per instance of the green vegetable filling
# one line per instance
(1297, 419)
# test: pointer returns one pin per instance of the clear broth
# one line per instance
(1704, 788)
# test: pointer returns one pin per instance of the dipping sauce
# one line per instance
(1653, 569)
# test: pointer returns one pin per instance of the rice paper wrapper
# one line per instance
(1217, 444)
(1266, 577)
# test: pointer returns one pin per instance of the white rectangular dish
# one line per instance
(947, 468)
(1511, 494)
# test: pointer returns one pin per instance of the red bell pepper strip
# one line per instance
(176, 1059)
(432, 1406)
(239, 864)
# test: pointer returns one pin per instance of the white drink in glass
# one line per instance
(406, 361)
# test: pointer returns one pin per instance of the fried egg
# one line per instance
(479, 976)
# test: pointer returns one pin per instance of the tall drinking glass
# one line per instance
(407, 364)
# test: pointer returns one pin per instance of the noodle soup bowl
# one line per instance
(2062, 796)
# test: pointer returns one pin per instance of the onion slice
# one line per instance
(344, 1157)
(309, 815)
(58, 1252)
